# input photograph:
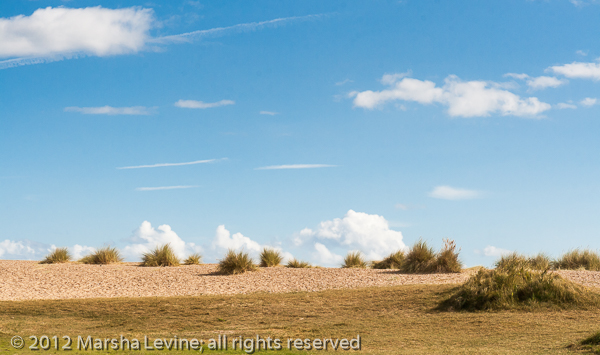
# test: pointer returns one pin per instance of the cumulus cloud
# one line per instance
(79, 251)
(201, 104)
(146, 238)
(324, 256)
(58, 31)
(578, 70)
(493, 251)
(453, 193)
(463, 99)
(28, 250)
(588, 101)
(224, 240)
(368, 233)
(109, 110)
(295, 166)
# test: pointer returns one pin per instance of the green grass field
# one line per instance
(392, 320)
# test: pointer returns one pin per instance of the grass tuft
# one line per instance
(194, 259)
(161, 256)
(297, 264)
(447, 260)
(420, 259)
(515, 260)
(103, 256)
(58, 255)
(517, 287)
(354, 260)
(578, 259)
(236, 263)
(270, 257)
(392, 261)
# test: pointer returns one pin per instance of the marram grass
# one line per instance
(161, 256)
(270, 257)
(392, 261)
(354, 260)
(58, 255)
(103, 256)
(236, 263)
(578, 260)
(194, 259)
(297, 264)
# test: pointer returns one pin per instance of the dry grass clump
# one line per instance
(236, 263)
(297, 264)
(420, 259)
(392, 261)
(103, 256)
(161, 256)
(194, 259)
(578, 259)
(517, 286)
(447, 260)
(590, 344)
(270, 257)
(58, 255)
(354, 260)
(539, 262)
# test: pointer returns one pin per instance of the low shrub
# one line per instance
(447, 260)
(517, 287)
(103, 256)
(578, 259)
(354, 260)
(420, 259)
(194, 259)
(297, 264)
(392, 261)
(270, 257)
(161, 256)
(58, 255)
(236, 263)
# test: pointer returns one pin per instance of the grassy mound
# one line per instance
(517, 287)
(354, 260)
(236, 263)
(194, 259)
(392, 261)
(270, 257)
(297, 264)
(161, 256)
(58, 255)
(103, 256)
(578, 259)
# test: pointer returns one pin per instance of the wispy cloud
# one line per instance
(55, 34)
(343, 82)
(578, 70)
(295, 166)
(540, 82)
(453, 193)
(588, 101)
(109, 110)
(565, 105)
(271, 113)
(201, 104)
(171, 164)
(165, 188)
(239, 28)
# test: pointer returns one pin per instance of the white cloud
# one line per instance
(165, 188)
(21, 249)
(517, 76)
(564, 105)
(324, 256)
(171, 164)
(542, 82)
(146, 238)
(271, 113)
(295, 166)
(578, 70)
(202, 105)
(582, 53)
(390, 79)
(224, 240)
(79, 251)
(61, 31)
(588, 101)
(401, 206)
(452, 193)
(465, 99)
(368, 233)
(343, 82)
(493, 251)
(109, 110)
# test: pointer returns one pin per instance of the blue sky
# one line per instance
(316, 127)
